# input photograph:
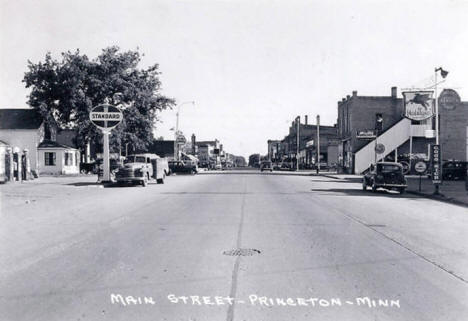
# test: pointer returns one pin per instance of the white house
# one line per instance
(58, 159)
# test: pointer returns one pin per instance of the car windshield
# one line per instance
(135, 159)
(389, 168)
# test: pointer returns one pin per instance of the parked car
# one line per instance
(88, 168)
(287, 166)
(454, 170)
(142, 168)
(182, 167)
(266, 166)
(386, 175)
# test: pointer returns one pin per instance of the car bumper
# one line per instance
(129, 180)
(392, 185)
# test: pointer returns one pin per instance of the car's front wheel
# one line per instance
(374, 187)
(402, 190)
(364, 185)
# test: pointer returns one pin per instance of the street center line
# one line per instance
(235, 271)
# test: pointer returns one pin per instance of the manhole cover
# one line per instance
(241, 252)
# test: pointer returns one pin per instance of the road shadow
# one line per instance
(360, 192)
(78, 184)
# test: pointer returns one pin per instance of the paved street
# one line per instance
(316, 249)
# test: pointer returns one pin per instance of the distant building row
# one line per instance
(288, 150)
(364, 122)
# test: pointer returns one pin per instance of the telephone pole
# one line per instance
(318, 144)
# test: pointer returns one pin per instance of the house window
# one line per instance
(68, 159)
(49, 158)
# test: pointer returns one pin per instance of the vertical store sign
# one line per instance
(436, 164)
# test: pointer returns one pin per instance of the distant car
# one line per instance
(218, 167)
(454, 170)
(182, 167)
(266, 166)
(385, 175)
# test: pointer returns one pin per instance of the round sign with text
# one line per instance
(420, 167)
(449, 99)
(380, 148)
(105, 116)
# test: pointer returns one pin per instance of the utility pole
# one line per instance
(176, 132)
(298, 123)
(318, 144)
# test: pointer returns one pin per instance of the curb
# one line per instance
(441, 198)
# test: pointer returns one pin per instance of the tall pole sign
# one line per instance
(317, 149)
(436, 166)
(436, 147)
(298, 124)
(106, 117)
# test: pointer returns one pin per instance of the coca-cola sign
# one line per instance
(419, 105)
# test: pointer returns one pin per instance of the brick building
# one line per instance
(287, 149)
(399, 135)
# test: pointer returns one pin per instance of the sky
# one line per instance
(250, 66)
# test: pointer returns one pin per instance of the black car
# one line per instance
(454, 170)
(181, 167)
(266, 166)
(386, 175)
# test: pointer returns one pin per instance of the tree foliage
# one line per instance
(64, 91)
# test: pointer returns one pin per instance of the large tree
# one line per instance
(64, 91)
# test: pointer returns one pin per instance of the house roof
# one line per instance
(19, 118)
(51, 144)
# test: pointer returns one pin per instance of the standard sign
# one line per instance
(105, 116)
(436, 164)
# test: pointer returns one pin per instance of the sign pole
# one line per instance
(105, 117)
(436, 185)
(106, 157)
(298, 123)
(318, 144)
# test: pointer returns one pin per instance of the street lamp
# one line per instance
(444, 74)
(176, 132)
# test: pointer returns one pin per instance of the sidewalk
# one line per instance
(451, 191)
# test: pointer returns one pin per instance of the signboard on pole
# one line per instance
(419, 105)
(379, 148)
(105, 116)
(420, 167)
(436, 164)
(181, 139)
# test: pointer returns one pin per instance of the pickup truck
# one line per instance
(143, 168)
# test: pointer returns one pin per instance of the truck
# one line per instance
(139, 169)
